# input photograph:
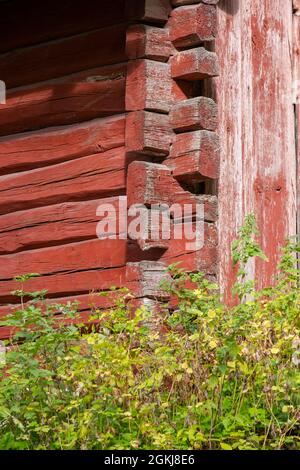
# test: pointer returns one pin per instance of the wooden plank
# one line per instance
(193, 114)
(85, 303)
(86, 177)
(204, 260)
(32, 22)
(148, 86)
(176, 3)
(90, 254)
(51, 225)
(296, 86)
(195, 154)
(63, 56)
(68, 283)
(150, 183)
(148, 42)
(194, 64)
(148, 133)
(74, 98)
(256, 129)
(193, 25)
(58, 144)
(141, 278)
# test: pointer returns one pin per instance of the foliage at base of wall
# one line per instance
(202, 376)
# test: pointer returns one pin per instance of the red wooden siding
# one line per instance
(256, 127)
(90, 89)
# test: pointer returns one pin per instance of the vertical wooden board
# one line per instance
(256, 127)
(296, 90)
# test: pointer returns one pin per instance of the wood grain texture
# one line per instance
(192, 25)
(151, 183)
(194, 64)
(68, 283)
(86, 177)
(148, 86)
(73, 98)
(64, 56)
(148, 42)
(51, 225)
(256, 128)
(176, 3)
(148, 133)
(193, 114)
(296, 81)
(54, 145)
(195, 155)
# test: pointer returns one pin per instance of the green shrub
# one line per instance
(207, 377)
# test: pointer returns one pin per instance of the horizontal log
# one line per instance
(194, 64)
(51, 225)
(177, 3)
(195, 154)
(148, 86)
(33, 22)
(153, 11)
(68, 283)
(193, 114)
(208, 201)
(151, 184)
(148, 42)
(64, 56)
(78, 179)
(148, 183)
(74, 98)
(83, 303)
(193, 25)
(90, 254)
(5, 332)
(205, 261)
(54, 145)
(140, 278)
(148, 133)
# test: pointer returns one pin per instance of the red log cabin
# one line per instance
(164, 102)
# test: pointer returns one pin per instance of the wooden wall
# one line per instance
(102, 102)
(258, 169)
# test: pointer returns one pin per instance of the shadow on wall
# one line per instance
(229, 6)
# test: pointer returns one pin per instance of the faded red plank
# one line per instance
(296, 76)
(54, 145)
(78, 97)
(68, 283)
(63, 56)
(51, 225)
(192, 25)
(148, 42)
(85, 177)
(256, 128)
(195, 154)
(90, 254)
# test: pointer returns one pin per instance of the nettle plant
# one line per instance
(209, 377)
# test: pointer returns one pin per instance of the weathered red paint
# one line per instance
(97, 122)
(256, 127)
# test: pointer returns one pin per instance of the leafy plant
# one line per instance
(207, 377)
